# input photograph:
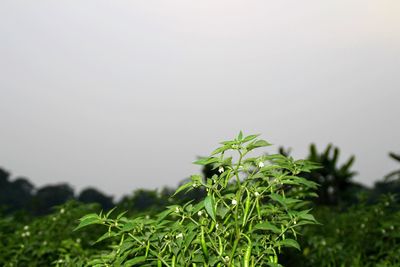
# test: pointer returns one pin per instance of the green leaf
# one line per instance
(89, 220)
(121, 214)
(256, 144)
(209, 205)
(240, 136)
(183, 187)
(219, 150)
(206, 161)
(283, 201)
(307, 216)
(105, 236)
(250, 137)
(266, 226)
(128, 227)
(135, 261)
(222, 211)
(161, 216)
(289, 243)
(110, 211)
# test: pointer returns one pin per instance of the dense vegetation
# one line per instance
(243, 211)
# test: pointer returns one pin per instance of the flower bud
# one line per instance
(221, 169)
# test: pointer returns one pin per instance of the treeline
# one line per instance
(350, 215)
(21, 195)
(337, 188)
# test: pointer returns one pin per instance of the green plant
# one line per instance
(362, 236)
(48, 240)
(253, 208)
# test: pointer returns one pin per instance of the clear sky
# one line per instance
(125, 94)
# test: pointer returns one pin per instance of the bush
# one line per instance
(253, 208)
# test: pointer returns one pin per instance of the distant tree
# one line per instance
(143, 200)
(390, 183)
(92, 195)
(22, 189)
(394, 175)
(4, 176)
(50, 196)
(14, 195)
(335, 182)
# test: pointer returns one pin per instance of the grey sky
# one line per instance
(125, 94)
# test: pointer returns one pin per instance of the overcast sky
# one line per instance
(125, 94)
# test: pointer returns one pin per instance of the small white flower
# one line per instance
(44, 243)
(260, 164)
(221, 169)
(147, 217)
(199, 213)
(27, 233)
(362, 225)
(323, 242)
(386, 203)
(54, 219)
(226, 258)
(180, 235)
(256, 194)
(391, 227)
(62, 211)
(217, 226)
(383, 231)
(234, 202)
(176, 209)
(26, 227)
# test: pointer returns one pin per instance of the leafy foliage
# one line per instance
(242, 211)
(48, 240)
(364, 235)
(253, 208)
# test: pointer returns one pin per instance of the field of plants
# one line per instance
(248, 208)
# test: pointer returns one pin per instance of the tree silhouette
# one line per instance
(391, 182)
(14, 195)
(394, 175)
(143, 200)
(335, 181)
(50, 196)
(92, 195)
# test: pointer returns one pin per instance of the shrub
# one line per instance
(253, 208)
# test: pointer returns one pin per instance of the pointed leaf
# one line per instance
(183, 187)
(267, 227)
(135, 261)
(289, 243)
(209, 205)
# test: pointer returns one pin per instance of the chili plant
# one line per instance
(254, 207)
